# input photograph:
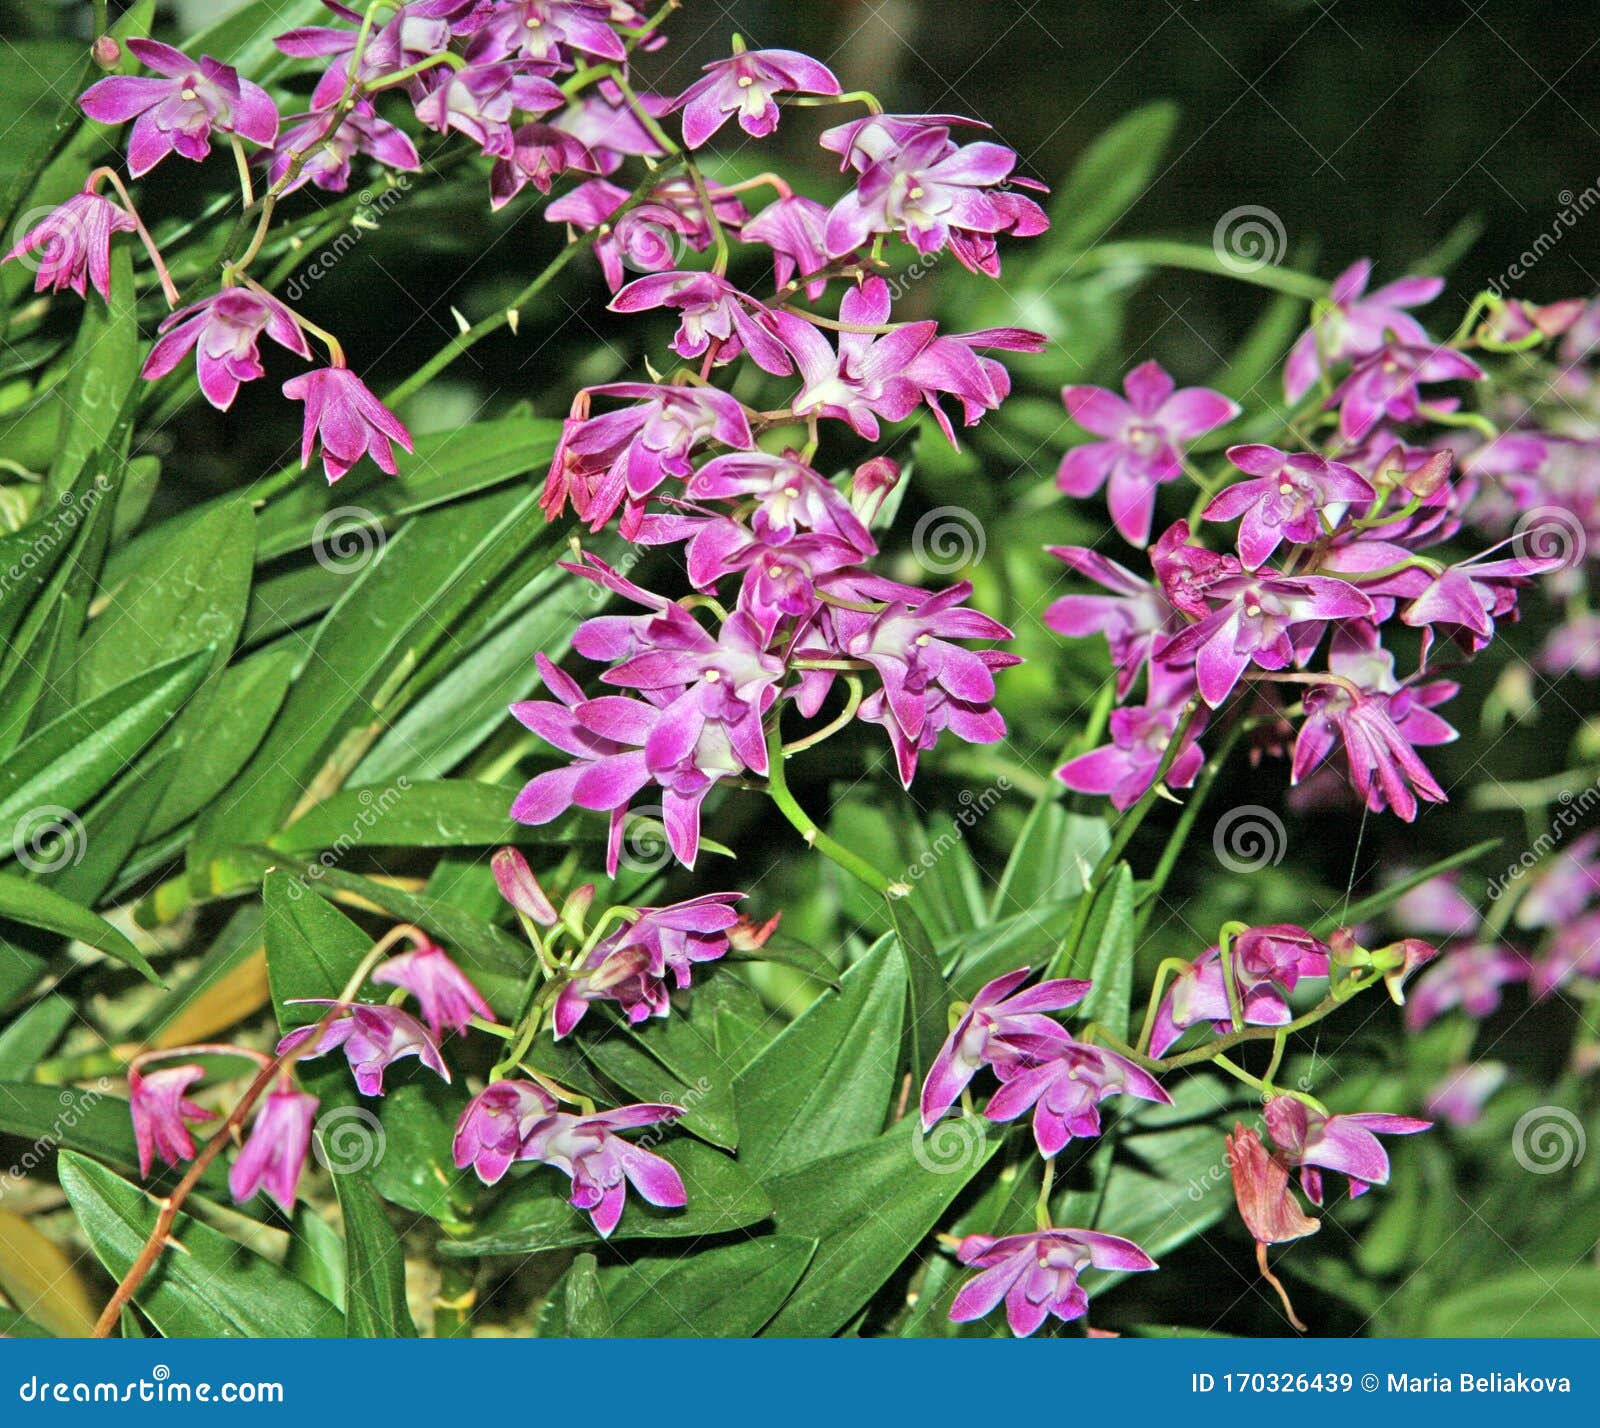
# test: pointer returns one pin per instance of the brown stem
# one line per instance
(1272, 1279)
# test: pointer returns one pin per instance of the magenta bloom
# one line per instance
(329, 143)
(1064, 1081)
(545, 31)
(540, 154)
(176, 113)
(275, 1153)
(373, 1038)
(480, 100)
(224, 330)
(1268, 963)
(491, 1130)
(715, 316)
(746, 84)
(602, 1165)
(1289, 499)
(349, 421)
(794, 229)
(1124, 769)
(1573, 952)
(72, 244)
(1037, 1274)
(1387, 385)
(1468, 976)
(1563, 887)
(632, 965)
(521, 889)
(789, 496)
(1359, 323)
(1348, 1144)
(1460, 1095)
(1133, 616)
(1142, 441)
(159, 1108)
(998, 1011)
(447, 997)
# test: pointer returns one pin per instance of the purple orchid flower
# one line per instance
(491, 1130)
(1468, 977)
(607, 126)
(716, 318)
(1387, 385)
(1316, 1141)
(1357, 323)
(622, 456)
(650, 236)
(602, 1165)
(937, 194)
(159, 1109)
(1437, 907)
(1573, 648)
(445, 993)
(1291, 497)
(793, 227)
(275, 1153)
(1461, 1093)
(632, 965)
(480, 99)
(1064, 1081)
(1134, 616)
(224, 330)
(606, 771)
(1475, 593)
(1573, 953)
(865, 141)
(1000, 1010)
(1124, 769)
(544, 31)
(789, 497)
(349, 421)
(540, 154)
(973, 721)
(71, 245)
(1564, 887)
(373, 1038)
(410, 33)
(1142, 443)
(747, 84)
(1037, 1274)
(324, 144)
(176, 113)
(1268, 963)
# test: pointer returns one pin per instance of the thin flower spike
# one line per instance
(1316, 1141)
(275, 1153)
(1142, 440)
(446, 995)
(1037, 1274)
(979, 1038)
(746, 84)
(176, 113)
(601, 1164)
(348, 420)
(159, 1108)
(71, 246)
(224, 330)
(491, 1130)
(373, 1039)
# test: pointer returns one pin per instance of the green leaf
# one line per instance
(188, 594)
(1367, 908)
(927, 992)
(869, 1208)
(71, 759)
(312, 948)
(375, 1264)
(1111, 175)
(416, 1169)
(215, 1288)
(1105, 956)
(680, 1067)
(28, 1040)
(584, 1312)
(1050, 860)
(1556, 1301)
(534, 1215)
(829, 1079)
(451, 813)
(35, 905)
(726, 1292)
(1023, 940)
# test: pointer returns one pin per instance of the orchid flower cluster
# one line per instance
(1328, 560)
(1243, 982)
(1542, 932)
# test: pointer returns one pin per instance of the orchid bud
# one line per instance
(1431, 475)
(871, 484)
(575, 910)
(746, 935)
(520, 888)
(107, 52)
(1399, 960)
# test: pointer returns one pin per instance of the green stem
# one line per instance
(1160, 253)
